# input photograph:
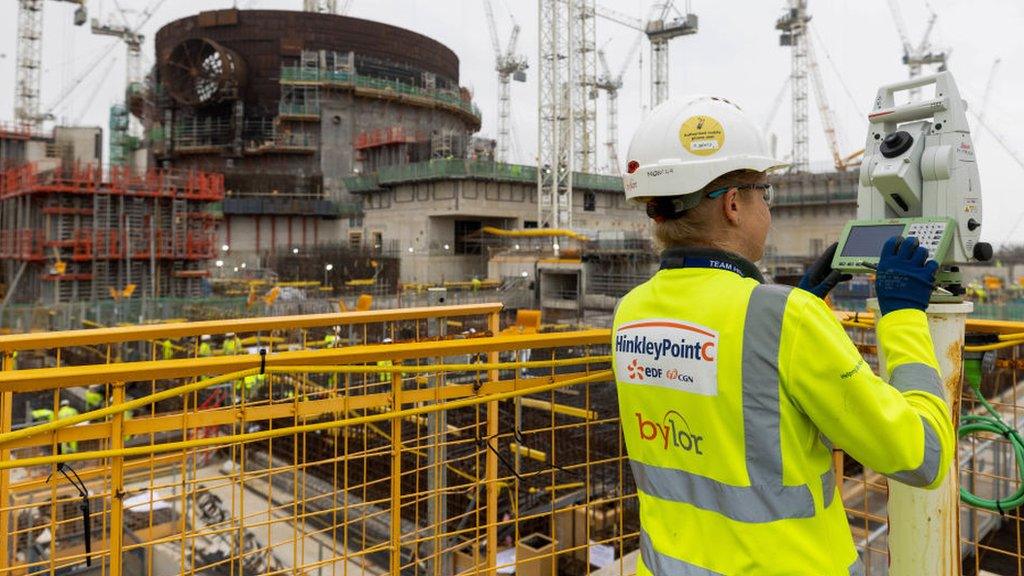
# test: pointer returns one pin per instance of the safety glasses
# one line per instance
(767, 191)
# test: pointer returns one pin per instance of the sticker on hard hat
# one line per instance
(668, 353)
(701, 135)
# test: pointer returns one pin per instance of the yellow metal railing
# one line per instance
(397, 457)
(392, 446)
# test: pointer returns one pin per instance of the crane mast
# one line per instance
(29, 58)
(793, 27)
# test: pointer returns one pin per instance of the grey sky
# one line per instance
(735, 54)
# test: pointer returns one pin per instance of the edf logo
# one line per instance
(638, 371)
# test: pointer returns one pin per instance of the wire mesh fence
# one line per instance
(420, 441)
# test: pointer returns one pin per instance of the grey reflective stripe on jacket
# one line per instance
(662, 565)
(828, 487)
(766, 499)
(924, 474)
(914, 376)
(920, 378)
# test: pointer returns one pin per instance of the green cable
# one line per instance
(994, 423)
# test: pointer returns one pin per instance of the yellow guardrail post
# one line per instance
(116, 483)
(6, 406)
(396, 473)
(494, 325)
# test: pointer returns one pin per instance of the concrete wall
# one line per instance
(86, 142)
(240, 234)
(806, 230)
(343, 117)
(422, 216)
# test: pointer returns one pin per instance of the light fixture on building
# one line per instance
(411, 250)
(219, 263)
(295, 250)
(329, 267)
(447, 247)
(525, 274)
(555, 247)
(516, 246)
(236, 268)
(225, 248)
(243, 265)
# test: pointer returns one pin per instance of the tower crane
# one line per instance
(510, 66)
(828, 119)
(659, 30)
(321, 6)
(30, 50)
(120, 122)
(611, 85)
(793, 27)
(987, 94)
(915, 57)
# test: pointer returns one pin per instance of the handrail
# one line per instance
(150, 449)
(70, 376)
(93, 336)
(973, 324)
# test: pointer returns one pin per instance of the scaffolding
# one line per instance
(67, 235)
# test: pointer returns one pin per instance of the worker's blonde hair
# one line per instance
(695, 227)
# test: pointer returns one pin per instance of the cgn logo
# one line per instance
(673, 432)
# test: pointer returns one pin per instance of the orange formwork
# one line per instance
(81, 235)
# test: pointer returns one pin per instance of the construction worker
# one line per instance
(167, 349)
(42, 416)
(476, 283)
(732, 392)
(67, 411)
(245, 386)
(93, 397)
(333, 340)
(230, 345)
(385, 376)
(204, 346)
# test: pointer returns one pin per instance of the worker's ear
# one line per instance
(731, 206)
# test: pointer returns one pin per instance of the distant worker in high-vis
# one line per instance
(732, 392)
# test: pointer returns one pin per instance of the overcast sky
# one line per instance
(735, 54)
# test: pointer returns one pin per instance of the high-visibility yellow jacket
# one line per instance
(731, 395)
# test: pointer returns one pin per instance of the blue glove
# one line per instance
(821, 278)
(904, 279)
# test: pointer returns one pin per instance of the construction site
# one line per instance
(307, 303)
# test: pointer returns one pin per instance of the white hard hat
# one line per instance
(204, 337)
(65, 402)
(386, 341)
(687, 142)
(229, 334)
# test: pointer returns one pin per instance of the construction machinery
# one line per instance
(611, 84)
(659, 30)
(555, 154)
(510, 66)
(30, 51)
(793, 27)
(916, 57)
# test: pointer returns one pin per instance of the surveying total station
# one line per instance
(919, 178)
